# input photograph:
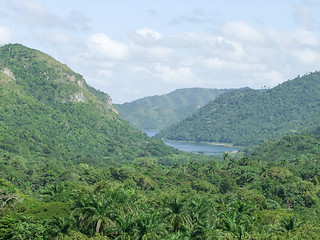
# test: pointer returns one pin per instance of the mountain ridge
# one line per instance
(247, 116)
(160, 111)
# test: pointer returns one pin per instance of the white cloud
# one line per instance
(147, 33)
(221, 64)
(242, 31)
(31, 7)
(179, 76)
(307, 56)
(105, 73)
(5, 35)
(305, 37)
(304, 17)
(59, 38)
(147, 54)
(269, 78)
(139, 69)
(33, 14)
(103, 47)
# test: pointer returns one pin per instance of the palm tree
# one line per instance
(238, 218)
(201, 209)
(229, 223)
(226, 158)
(78, 205)
(177, 214)
(123, 229)
(53, 189)
(99, 209)
(204, 230)
(59, 227)
(150, 226)
(289, 224)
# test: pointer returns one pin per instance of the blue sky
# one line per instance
(136, 48)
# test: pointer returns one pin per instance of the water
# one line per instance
(204, 148)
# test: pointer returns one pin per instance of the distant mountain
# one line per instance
(47, 111)
(247, 116)
(158, 112)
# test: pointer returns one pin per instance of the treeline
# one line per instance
(247, 117)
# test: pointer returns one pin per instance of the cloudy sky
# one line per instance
(136, 48)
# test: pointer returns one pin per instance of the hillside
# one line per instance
(158, 112)
(48, 112)
(71, 168)
(295, 147)
(247, 116)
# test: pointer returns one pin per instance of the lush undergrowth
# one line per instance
(205, 198)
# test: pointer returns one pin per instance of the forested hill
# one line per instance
(247, 116)
(47, 111)
(63, 171)
(158, 112)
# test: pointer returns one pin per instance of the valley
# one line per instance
(199, 148)
(71, 167)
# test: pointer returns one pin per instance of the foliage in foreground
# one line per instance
(237, 198)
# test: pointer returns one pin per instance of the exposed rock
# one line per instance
(73, 78)
(77, 97)
(8, 72)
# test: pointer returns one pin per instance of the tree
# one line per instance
(150, 226)
(177, 214)
(123, 229)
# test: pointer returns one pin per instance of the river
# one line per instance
(203, 148)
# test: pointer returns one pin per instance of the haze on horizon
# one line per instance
(133, 49)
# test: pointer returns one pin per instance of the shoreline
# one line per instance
(211, 143)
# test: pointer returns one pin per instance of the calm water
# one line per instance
(205, 148)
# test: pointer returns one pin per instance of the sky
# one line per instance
(136, 48)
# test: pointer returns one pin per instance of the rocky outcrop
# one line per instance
(8, 72)
(77, 97)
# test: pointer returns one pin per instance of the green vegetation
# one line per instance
(70, 169)
(304, 146)
(246, 116)
(205, 198)
(158, 112)
(48, 112)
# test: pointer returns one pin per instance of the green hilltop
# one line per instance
(48, 111)
(158, 112)
(246, 116)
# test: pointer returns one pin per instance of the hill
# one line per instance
(247, 116)
(158, 112)
(71, 168)
(48, 112)
(294, 147)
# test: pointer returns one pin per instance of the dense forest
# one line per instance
(48, 112)
(247, 117)
(158, 112)
(71, 168)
